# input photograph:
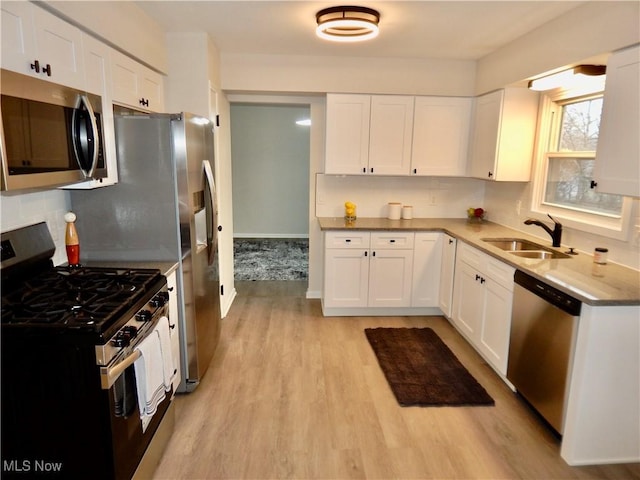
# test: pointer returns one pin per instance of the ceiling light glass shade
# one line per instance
(347, 24)
(575, 77)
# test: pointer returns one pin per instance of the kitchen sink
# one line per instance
(524, 248)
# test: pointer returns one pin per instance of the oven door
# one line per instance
(129, 439)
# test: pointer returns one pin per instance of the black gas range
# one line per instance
(69, 339)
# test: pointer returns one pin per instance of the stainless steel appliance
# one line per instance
(69, 339)
(543, 331)
(51, 134)
(163, 209)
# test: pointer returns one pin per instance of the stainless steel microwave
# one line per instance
(50, 135)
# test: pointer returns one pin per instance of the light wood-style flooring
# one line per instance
(291, 394)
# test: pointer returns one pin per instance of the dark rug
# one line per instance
(421, 370)
(271, 258)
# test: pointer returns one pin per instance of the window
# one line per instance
(565, 166)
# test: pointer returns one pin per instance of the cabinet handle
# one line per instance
(144, 102)
(35, 66)
(170, 289)
(415, 171)
(364, 169)
(348, 240)
(593, 184)
(373, 254)
(482, 280)
(366, 253)
(371, 169)
(172, 326)
(393, 240)
(490, 174)
(477, 277)
(47, 70)
(450, 241)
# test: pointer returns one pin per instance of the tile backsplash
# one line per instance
(29, 208)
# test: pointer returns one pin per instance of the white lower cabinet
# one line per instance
(482, 300)
(174, 329)
(368, 269)
(448, 264)
(427, 259)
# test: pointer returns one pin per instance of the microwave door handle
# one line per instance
(83, 100)
(211, 216)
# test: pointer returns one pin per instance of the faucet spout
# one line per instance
(555, 234)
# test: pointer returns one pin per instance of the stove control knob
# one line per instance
(143, 316)
(159, 300)
(130, 330)
(121, 339)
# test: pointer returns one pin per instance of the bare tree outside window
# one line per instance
(569, 175)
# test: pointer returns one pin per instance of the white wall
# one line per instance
(309, 74)
(590, 30)
(270, 161)
(29, 208)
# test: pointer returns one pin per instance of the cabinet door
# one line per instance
(135, 85)
(18, 37)
(446, 274)
(440, 136)
(174, 327)
(427, 260)
(346, 274)
(496, 324)
(59, 46)
(468, 301)
(97, 66)
(390, 134)
(617, 168)
(390, 278)
(486, 126)
(152, 90)
(347, 134)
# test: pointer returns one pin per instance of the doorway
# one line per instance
(270, 162)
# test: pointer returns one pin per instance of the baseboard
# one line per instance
(225, 306)
(379, 311)
(270, 235)
(313, 294)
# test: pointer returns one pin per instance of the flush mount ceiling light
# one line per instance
(568, 78)
(347, 24)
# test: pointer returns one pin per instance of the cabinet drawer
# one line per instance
(392, 240)
(340, 239)
(471, 256)
(500, 272)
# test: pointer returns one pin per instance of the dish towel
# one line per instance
(149, 377)
(168, 368)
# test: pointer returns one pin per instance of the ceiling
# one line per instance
(459, 30)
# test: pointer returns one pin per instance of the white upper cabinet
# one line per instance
(617, 166)
(135, 85)
(504, 129)
(347, 134)
(368, 134)
(390, 132)
(440, 136)
(35, 42)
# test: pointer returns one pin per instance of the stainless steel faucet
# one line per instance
(556, 233)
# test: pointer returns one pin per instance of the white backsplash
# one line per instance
(431, 197)
(29, 208)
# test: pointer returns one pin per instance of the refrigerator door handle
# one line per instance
(212, 211)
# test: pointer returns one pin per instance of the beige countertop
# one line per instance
(594, 284)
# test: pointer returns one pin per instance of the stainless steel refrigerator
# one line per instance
(163, 209)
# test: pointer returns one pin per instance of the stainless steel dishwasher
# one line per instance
(543, 330)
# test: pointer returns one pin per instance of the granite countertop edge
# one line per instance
(579, 276)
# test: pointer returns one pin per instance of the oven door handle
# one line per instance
(109, 375)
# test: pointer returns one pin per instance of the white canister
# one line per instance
(395, 210)
(407, 212)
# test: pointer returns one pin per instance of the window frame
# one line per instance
(548, 135)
